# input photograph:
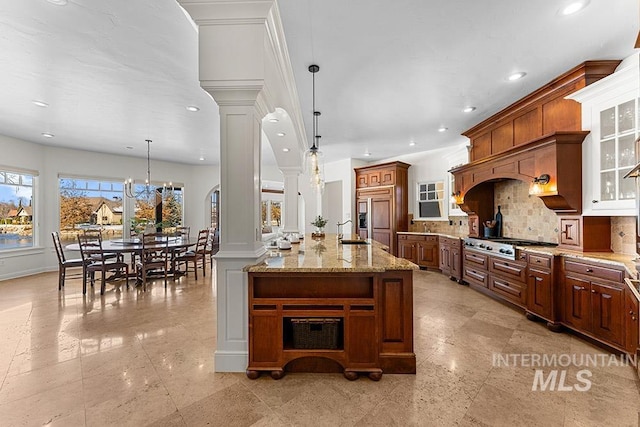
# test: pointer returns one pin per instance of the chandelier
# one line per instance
(314, 155)
(148, 193)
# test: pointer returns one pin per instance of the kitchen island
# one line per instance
(325, 306)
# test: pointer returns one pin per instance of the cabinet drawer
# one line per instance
(509, 289)
(402, 237)
(416, 238)
(591, 270)
(432, 239)
(477, 260)
(539, 261)
(512, 269)
(448, 241)
(475, 276)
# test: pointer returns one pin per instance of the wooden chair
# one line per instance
(182, 231)
(195, 256)
(153, 258)
(64, 263)
(95, 259)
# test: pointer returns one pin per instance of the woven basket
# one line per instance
(319, 333)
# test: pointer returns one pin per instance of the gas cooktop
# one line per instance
(504, 247)
(519, 242)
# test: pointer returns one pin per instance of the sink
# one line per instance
(353, 242)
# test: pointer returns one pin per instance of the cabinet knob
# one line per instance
(631, 312)
(594, 201)
(589, 270)
(593, 291)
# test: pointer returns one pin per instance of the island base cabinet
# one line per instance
(373, 314)
(631, 324)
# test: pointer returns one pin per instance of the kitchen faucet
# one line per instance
(340, 236)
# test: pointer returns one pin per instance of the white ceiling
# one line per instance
(117, 72)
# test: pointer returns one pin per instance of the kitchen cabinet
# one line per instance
(585, 233)
(450, 257)
(419, 249)
(508, 279)
(541, 293)
(541, 112)
(475, 269)
(610, 112)
(594, 301)
(631, 325)
(382, 204)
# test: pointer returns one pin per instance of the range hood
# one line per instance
(557, 155)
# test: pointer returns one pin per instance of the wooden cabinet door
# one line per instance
(375, 178)
(631, 324)
(361, 348)
(407, 250)
(455, 263)
(540, 292)
(444, 259)
(428, 254)
(474, 226)
(388, 177)
(577, 310)
(570, 231)
(381, 221)
(607, 305)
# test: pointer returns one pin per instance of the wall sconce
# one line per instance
(456, 197)
(538, 183)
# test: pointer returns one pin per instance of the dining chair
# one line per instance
(195, 256)
(63, 262)
(182, 231)
(95, 259)
(154, 257)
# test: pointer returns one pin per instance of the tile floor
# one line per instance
(132, 358)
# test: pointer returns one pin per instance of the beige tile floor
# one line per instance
(132, 358)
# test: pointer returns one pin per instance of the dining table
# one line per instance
(134, 247)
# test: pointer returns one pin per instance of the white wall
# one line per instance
(50, 162)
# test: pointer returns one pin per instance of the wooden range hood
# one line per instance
(540, 134)
(558, 155)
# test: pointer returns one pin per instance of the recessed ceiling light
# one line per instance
(192, 108)
(411, 144)
(281, 134)
(286, 150)
(274, 120)
(367, 154)
(516, 76)
(201, 158)
(468, 109)
(40, 103)
(47, 135)
(58, 2)
(128, 147)
(573, 7)
(442, 129)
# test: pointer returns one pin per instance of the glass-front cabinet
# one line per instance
(611, 111)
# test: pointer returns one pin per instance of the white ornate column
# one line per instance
(244, 65)
(291, 211)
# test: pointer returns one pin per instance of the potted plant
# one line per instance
(319, 223)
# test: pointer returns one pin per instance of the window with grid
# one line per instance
(430, 203)
(16, 209)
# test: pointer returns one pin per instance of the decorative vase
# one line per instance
(318, 234)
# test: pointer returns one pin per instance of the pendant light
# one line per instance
(314, 155)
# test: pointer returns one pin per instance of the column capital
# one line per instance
(223, 12)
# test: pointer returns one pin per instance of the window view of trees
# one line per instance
(158, 207)
(90, 204)
(16, 210)
(271, 213)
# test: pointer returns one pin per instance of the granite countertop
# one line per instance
(429, 233)
(610, 258)
(327, 255)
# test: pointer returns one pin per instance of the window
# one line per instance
(158, 206)
(271, 213)
(89, 203)
(430, 203)
(215, 209)
(16, 209)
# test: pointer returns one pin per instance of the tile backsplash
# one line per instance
(526, 217)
